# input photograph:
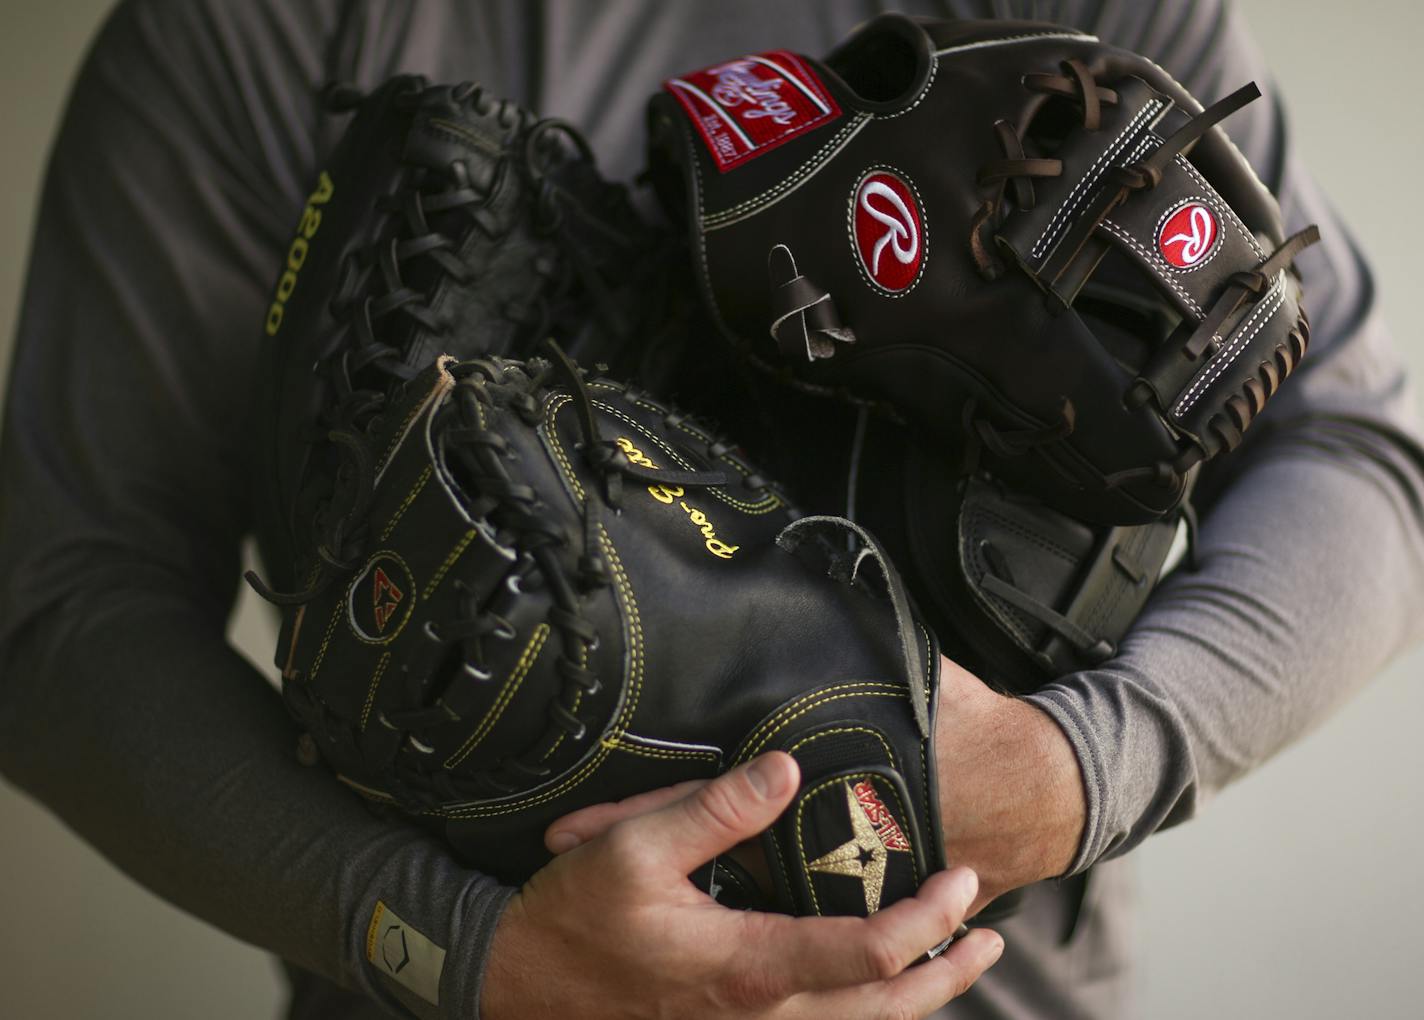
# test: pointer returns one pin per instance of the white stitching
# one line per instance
(1236, 220)
(1080, 36)
(1155, 263)
(769, 197)
(929, 84)
(924, 231)
(1217, 244)
(1203, 384)
(1085, 184)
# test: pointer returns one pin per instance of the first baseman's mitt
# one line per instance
(539, 592)
(1034, 247)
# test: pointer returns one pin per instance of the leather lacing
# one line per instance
(374, 286)
(363, 362)
(1017, 171)
(480, 459)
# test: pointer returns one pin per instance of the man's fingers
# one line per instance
(906, 930)
(682, 835)
(812, 954)
(580, 826)
(916, 992)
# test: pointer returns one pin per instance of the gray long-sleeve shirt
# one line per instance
(184, 159)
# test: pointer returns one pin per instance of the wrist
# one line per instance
(1011, 795)
(499, 990)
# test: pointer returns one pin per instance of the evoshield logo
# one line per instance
(1188, 236)
(379, 601)
(888, 230)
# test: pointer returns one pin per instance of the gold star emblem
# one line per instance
(874, 833)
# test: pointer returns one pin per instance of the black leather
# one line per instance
(706, 643)
(960, 541)
(528, 242)
(1042, 321)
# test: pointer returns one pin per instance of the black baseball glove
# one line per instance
(445, 221)
(1036, 248)
(538, 593)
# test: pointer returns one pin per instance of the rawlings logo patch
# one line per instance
(887, 230)
(380, 598)
(1188, 236)
(747, 107)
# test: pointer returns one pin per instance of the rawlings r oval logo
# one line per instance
(888, 230)
(379, 601)
(1188, 235)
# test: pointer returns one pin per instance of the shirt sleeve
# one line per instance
(173, 184)
(1311, 550)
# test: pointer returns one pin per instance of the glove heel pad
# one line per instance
(857, 836)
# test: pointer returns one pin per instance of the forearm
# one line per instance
(135, 723)
(1311, 578)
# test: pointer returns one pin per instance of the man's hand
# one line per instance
(1010, 786)
(613, 928)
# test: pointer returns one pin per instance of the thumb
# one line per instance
(578, 827)
(717, 816)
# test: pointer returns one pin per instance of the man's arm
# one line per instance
(1310, 573)
(174, 181)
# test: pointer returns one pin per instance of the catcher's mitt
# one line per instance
(445, 221)
(564, 593)
(1033, 246)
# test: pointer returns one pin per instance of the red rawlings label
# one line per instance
(888, 229)
(749, 106)
(1188, 236)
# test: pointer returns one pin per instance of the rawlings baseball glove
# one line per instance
(1035, 248)
(445, 221)
(539, 592)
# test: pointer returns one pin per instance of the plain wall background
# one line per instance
(1296, 894)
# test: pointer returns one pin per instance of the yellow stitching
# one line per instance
(385, 661)
(336, 615)
(635, 625)
(634, 639)
(505, 696)
(578, 700)
(492, 810)
(764, 506)
(400, 433)
(780, 720)
(667, 753)
(801, 844)
(460, 547)
(551, 435)
(400, 510)
(889, 754)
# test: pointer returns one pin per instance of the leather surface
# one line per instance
(710, 644)
(920, 101)
(535, 207)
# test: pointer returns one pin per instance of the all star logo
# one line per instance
(385, 597)
(379, 601)
(1188, 235)
(875, 834)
